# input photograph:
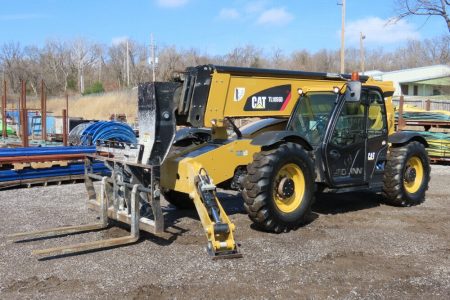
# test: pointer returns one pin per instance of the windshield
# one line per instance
(311, 116)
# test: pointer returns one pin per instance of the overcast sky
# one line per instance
(213, 26)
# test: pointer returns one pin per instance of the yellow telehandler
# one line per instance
(314, 132)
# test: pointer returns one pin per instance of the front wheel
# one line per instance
(279, 188)
(407, 175)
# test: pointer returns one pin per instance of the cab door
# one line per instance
(345, 145)
(377, 136)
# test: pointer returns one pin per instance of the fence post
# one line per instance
(4, 124)
(43, 112)
(24, 114)
(401, 121)
(427, 105)
(24, 125)
(67, 105)
(64, 117)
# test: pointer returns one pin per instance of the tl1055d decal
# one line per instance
(272, 99)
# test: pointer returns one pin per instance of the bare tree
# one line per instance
(247, 56)
(301, 60)
(424, 8)
(193, 57)
(170, 60)
(58, 64)
(84, 55)
(32, 71)
(438, 50)
(64, 64)
(278, 60)
(116, 64)
(11, 56)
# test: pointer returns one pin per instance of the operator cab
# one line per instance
(348, 131)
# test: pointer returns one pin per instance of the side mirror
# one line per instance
(353, 91)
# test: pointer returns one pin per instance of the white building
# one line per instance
(424, 81)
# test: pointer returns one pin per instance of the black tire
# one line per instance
(396, 175)
(178, 199)
(260, 183)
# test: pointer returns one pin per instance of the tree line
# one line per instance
(76, 65)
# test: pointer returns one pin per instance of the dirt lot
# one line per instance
(354, 248)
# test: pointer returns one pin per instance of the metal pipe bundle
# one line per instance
(39, 151)
(15, 162)
(56, 171)
(10, 158)
(89, 134)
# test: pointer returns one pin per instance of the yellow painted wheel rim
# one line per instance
(294, 173)
(413, 186)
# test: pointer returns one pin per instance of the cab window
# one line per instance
(376, 116)
(311, 117)
(349, 127)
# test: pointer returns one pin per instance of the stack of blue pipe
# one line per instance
(89, 134)
(34, 151)
(55, 171)
(75, 168)
(84, 135)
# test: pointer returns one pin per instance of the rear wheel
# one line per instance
(178, 199)
(407, 175)
(279, 188)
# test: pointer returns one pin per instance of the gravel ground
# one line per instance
(354, 248)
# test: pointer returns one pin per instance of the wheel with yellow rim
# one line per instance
(407, 174)
(279, 188)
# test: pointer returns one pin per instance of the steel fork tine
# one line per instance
(132, 238)
(71, 229)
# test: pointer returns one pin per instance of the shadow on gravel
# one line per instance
(324, 204)
(46, 258)
(308, 219)
(346, 202)
(116, 231)
(232, 204)
(56, 236)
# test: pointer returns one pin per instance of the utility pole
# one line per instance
(128, 65)
(362, 37)
(343, 38)
(152, 49)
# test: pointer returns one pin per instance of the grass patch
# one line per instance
(95, 106)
